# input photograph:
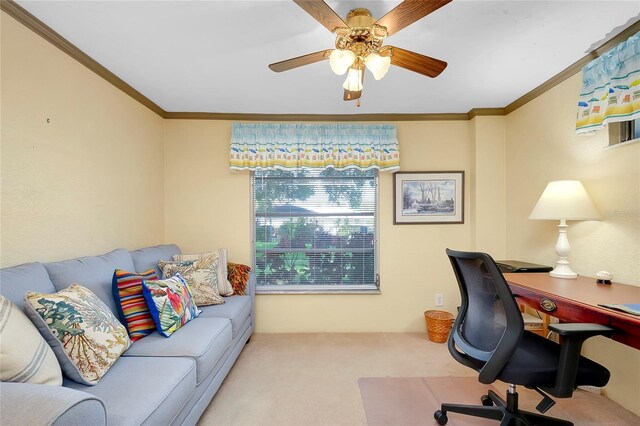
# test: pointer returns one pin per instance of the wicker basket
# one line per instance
(438, 325)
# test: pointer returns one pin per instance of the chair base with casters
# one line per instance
(489, 337)
(495, 408)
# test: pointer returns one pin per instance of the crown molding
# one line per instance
(21, 15)
(315, 117)
(40, 28)
(482, 112)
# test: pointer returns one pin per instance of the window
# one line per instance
(624, 132)
(315, 230)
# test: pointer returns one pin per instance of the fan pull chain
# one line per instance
(358, 103)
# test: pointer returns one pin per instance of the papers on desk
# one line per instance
(630, 308)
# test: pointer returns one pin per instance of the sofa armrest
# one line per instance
(30, 404)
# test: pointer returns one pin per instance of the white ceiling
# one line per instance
(212, 56)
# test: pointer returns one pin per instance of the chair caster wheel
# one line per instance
(440, 417)
(486, 401)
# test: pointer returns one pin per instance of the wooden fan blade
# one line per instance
(292, 63)
(408, 12)
(351, 96)
(416, 62)
(322, 13)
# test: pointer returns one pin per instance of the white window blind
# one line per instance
(315, 230)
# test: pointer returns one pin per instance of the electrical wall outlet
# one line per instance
(439, 299)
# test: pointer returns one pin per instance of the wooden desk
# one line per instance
(577, 301)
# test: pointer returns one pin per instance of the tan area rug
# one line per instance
(412, 400)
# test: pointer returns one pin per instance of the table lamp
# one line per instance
(564, 200)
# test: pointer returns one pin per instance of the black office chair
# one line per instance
(488, 336)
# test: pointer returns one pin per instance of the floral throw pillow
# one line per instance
(220, 256)
(200, 274)
(83, 333)
(170, 303)
(238, 276)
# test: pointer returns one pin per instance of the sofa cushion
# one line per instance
(24, 354)
(16, 281)
(148, 257)
(200, 274)
(131, 304)
(144, 390)
(203, 339)
(85, 336)
(236, 309)
(93, 272)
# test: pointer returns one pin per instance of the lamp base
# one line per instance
(563, 271)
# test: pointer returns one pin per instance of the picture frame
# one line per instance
(425, 198)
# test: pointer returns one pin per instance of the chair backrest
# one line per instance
(489, 324)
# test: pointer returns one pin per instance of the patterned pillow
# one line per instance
(132, 307)
(201, 275)
(170, 303)
(224, 286)
(25, 356)
(238, 276)
(83, 333)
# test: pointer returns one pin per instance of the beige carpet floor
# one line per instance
(412, 401)
(312, 379)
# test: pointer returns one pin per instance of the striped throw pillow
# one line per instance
(25, 357)
(132, 306)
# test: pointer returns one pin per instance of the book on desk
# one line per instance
(630, 308)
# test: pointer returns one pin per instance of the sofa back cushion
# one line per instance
(93, 272)
(147, 258)
(16, 281)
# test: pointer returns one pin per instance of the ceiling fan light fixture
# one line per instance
(353, 83)
(341, 60)
(378, 65)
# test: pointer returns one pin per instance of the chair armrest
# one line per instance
(573, 336)
(584, 330)
(30, 404)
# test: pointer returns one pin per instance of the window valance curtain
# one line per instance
(319, 146)
(611, 87)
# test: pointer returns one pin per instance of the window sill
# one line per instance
(625, 143)
(320, 291)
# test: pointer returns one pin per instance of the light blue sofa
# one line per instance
(158, 380)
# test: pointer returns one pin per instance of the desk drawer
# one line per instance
(565, 311)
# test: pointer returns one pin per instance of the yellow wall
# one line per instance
(542, 146)
(89, 180)
(487, 181)
(208, 206)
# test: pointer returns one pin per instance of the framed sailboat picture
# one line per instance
(428, 198)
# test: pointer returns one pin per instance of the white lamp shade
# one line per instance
(378, 65)
(353, 83)
(341, 60)
(565, 200)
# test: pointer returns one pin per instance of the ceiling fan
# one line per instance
(359, 43)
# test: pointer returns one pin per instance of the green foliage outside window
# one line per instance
(299, 243)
